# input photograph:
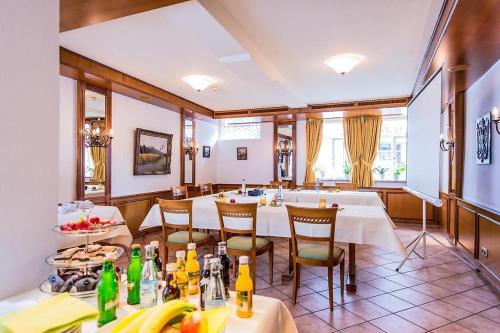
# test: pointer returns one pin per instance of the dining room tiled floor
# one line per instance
(440, 294)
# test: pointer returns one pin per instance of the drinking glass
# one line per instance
(322, 203)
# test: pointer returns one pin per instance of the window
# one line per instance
(240, 128)
(390, 163)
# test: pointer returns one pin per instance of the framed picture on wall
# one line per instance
(153, 152)
(241, 153)
(483, 139)
(206, 151)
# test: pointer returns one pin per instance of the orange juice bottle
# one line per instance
(193, 270)
(244, 290)
(181, 275)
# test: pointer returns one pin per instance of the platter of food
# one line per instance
(82, 227)
(84, 256)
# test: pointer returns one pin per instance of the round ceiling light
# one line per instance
(198, 82)
(343, 63)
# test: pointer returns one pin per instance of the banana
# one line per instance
(126, 321)
(135, 324)
(163, 313)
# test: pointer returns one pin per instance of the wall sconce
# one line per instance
(190, 149)
(94, 138)
(284, 148)
(445, 144)
(495, 118)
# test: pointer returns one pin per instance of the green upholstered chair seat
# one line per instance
(182, 237)
(316, 251)
(244, 243)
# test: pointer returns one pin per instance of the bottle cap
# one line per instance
(155, 243)
(221, 244)
(192, 246)
(208, 256)
(171, 267)
(180, 253)
(136, 246)
(243, 260)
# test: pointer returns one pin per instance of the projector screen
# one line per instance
(423, 152)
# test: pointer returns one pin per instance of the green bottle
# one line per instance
(107, 293)
(134, 276)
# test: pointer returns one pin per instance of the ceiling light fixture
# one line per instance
(343, 63)
(198, 82)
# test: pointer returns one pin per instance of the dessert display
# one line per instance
(92, 254)
(92, 225)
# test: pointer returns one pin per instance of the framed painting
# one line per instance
(483, 139)
(206, 151)
(153, 153)
(241, 153)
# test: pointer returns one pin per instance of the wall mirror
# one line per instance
(190, 150)
(284, 151)
(94, 144)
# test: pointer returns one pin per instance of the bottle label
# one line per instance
(130, 286)
(194, 282)
(110, 305)
(244, 300)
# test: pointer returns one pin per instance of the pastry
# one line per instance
(80, 257)
(93, 248)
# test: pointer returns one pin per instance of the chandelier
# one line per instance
(284, 149)
(190, 148)
(94, 138)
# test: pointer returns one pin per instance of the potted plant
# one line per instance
(381, 172)
(398, 171)
(347, 170)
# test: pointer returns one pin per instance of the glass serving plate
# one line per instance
(94, 232)
(46, 288)
(92, 262)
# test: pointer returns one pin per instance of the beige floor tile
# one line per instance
(296, 310)
(311, 324)
(363, 328)
(314, 302)
(423, 318)
(385, 285)
(492, 314)
(366, 310)
(479, 324)
(339, 318)
(446, 310)
(390, 303)
(412, 296)
(452, 328)
(487, 294)
(395, 324)
(466, 303)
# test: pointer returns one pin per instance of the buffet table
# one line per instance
(120, 236)
(270, 314)
(355, 224)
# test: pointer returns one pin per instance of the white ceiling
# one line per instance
(266, 53)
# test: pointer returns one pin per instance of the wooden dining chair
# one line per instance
(311, 185)
(205, 189)
(180, 192)
(276, 184)
(347, 186)
(245, 243)
(316, 251)
(177, 235)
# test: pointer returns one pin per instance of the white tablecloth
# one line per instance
(354, 224)
(270, 314)
(341, 198)
(121, 235)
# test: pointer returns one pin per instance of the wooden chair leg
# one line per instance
(297, 272)
(254, 269)
(271, 263)
(330, 287)
(342, 278)
(295, 282)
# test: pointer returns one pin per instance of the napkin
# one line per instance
(53, 315)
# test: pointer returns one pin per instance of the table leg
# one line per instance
(289, 276)
(351, 277)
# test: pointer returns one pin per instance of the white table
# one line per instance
(341, 198)
(270, 314)
(121, 235)
(354, 224)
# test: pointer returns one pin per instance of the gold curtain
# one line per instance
(314, 136)
(99, 158)
(361, 137)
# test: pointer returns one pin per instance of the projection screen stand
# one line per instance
(423, 237)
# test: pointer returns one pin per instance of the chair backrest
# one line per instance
(276, 184)
(206, 189)
(311, 185)
(317, 216)
(237, 211)
(347, 186)
(177, 207)
(180, 192)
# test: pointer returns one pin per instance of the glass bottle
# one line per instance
(171, 290)
(224, 260)
(149, 280)
(181, 275)
(134, 276)
(215, 296)
(205, 277)
(157, 260)
(107, 293)
(316, 186)
(193, 270)
(244, 290)
(244, 186)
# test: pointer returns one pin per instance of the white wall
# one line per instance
(206, 135)
(258, 168)
(29, 59)
(480, 182)
(129, 114)
(67, 139)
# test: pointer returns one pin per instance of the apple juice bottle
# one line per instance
(244, 290)
(193, 270)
